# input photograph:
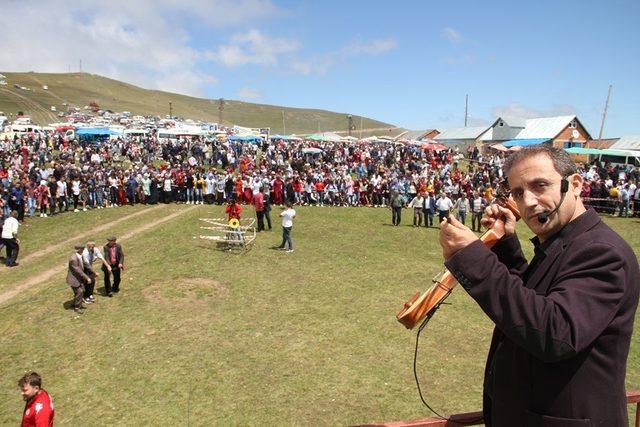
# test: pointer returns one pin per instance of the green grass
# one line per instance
(79, 89)
(201, 337)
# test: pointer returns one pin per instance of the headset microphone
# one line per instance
(564, 187)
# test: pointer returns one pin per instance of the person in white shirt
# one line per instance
(75, 191)
(417, 203)
(287, 216)
(89, 255)
(477, 205)
(10, 238)
(444, 205)
(462, 207)
(61, 194)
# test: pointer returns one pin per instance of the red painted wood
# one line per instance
(475, 418)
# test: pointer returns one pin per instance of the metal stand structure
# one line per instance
(234, 235)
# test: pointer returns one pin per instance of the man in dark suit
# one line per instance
(429, 209)
(114, 257)
(563, 321)
(76, 277)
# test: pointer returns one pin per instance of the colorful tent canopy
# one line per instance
(96, 132)
(327, 136)
(253, 139)
(285, 138)
(604, 152)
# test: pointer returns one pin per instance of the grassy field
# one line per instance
(201, 337)
(79, 89)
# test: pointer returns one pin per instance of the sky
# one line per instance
(408, 63)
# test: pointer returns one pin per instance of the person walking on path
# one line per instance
(115, 264)
(287, 216)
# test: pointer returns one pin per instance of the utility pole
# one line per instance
(170, 110)
(466, 109)
(349, 124)
(220, 111)
(284, 126)
(604, 114)
(81, 65)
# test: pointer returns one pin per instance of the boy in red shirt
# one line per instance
(233, 210)
(38, 411)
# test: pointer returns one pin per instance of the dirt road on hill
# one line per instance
(48, 274)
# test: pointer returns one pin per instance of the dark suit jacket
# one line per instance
(559, 350)
(119, 254)
(75, 272)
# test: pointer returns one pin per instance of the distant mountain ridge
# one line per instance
(80, 89)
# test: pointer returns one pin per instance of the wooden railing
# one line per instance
(475, 418)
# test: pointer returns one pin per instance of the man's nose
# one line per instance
(529, 199)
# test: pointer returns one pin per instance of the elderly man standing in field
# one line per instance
(114, 257)
(77, 278)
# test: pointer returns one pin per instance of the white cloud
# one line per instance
(254, 47)
(248, 93)
(136, 41)
(452, 35)
(519, 111)
(320, 64)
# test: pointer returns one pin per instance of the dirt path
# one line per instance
(32, 105)
(79, 237)
(48, 274)
(41, 83)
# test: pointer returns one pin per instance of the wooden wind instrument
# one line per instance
(418, 307)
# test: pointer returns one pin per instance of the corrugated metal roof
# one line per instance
(514, 122)
(524, 142)
(461, 133)
(545, 127)
(628, 142)
(415, 134)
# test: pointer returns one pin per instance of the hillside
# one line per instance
(79, 89)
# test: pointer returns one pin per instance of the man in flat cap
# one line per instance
(114, 257)
(76, 277)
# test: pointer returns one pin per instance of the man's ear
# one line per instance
(575, 183)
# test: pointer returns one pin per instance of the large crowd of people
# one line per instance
(47, 176)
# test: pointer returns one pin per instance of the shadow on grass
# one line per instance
(68, 305)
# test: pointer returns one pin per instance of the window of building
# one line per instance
(571, 144)
(573, 124)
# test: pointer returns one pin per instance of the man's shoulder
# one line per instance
(601, 237)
